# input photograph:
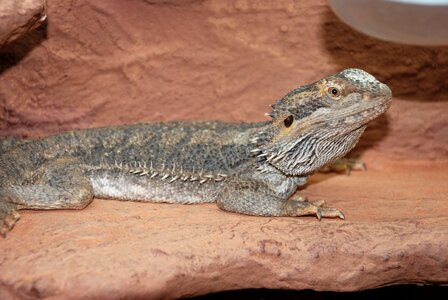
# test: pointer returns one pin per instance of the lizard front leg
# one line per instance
(255, 198)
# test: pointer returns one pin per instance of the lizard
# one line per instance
(247, 168)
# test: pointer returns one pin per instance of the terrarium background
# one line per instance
(99, 63)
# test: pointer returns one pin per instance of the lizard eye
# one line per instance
(288, 121)
(334, 92)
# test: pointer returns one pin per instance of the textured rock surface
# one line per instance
(396, 232)
(110, 62)
(19, 17)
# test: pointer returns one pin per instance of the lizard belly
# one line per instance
(131, 187)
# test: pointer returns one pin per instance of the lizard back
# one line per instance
(170, 162)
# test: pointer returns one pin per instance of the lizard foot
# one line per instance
(344, 165)
(319, 203)
(8, 221)
(308, 208)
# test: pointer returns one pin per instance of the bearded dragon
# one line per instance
(247, 168)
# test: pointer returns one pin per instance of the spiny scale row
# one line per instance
(258, 152)
(170, 174)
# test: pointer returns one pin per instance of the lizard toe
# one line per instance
(318, 203)
(328, 212)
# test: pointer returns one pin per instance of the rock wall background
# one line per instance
(108, 62)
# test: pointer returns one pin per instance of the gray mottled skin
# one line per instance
(249, 168)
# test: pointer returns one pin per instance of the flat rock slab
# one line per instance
(396, 231)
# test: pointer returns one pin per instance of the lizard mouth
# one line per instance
(366, 115)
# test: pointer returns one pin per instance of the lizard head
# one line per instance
(318, 123)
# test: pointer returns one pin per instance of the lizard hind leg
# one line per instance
(58, 184)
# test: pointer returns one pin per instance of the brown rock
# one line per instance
(396, 231)
(19, 17)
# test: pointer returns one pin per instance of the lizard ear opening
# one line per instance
(288, 121)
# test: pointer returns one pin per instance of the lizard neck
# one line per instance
(309, 152)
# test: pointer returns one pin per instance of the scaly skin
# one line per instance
(248, 168)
